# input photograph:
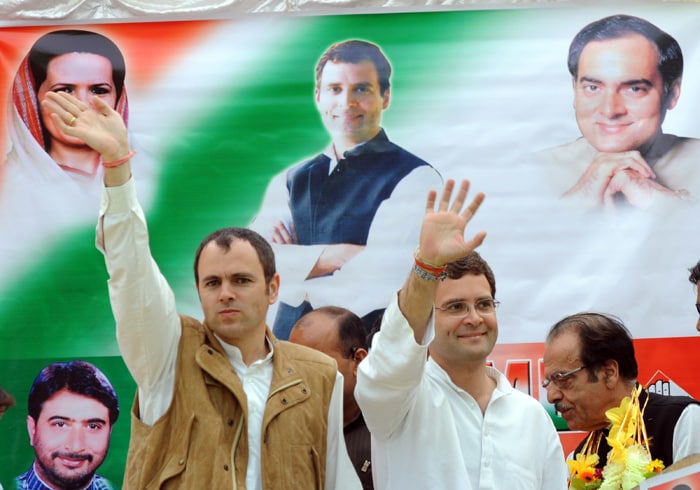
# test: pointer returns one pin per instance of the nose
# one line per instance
(227, 292)
(83, 94)
(75, 442)
(612, 104)
(553, 393)
(472, 317)
(348, 98)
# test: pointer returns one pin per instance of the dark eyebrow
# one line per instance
(589, 80)
(59, 417)
(453, 301)
(627, 83)
(69, 419)
(641, 81)
(210, 277)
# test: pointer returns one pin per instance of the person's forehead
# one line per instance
(240, 257)
(467, 287)
(563, 350)
(79, 64)
(65, 403)
(362, 71)
(632, 51)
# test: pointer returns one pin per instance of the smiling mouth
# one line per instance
(71, 460)
(612, 128)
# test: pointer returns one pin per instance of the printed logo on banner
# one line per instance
(663, 385)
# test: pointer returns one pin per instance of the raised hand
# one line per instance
(442, 233)
(101, 128)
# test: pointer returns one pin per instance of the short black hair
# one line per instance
(224, 237)
(602, 338)
(475, 265)
(79, 377)
(695, 273)
(617, 26)
(355, 51)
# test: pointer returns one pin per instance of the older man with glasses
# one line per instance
(439, 416)
(589, 367)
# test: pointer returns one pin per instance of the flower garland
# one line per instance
(629, 459)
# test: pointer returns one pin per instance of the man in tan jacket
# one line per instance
(221, 403)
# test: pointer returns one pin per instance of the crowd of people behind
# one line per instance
(227, 402)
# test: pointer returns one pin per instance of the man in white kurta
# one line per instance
(439, 417)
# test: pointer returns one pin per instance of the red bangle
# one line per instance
(120, 161)
(438, 272)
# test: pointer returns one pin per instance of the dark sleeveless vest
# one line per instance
(340, 207)
(660, 417)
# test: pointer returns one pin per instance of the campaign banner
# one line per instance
(219, 110)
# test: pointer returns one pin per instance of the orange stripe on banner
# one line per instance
(151, 47)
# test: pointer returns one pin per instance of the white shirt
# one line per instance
(135, 281)
(366, 282)
(429, 433)
(686, 441)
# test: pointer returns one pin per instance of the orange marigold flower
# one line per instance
(587, 476)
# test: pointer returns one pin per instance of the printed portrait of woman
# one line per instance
(81, 63)
(52, 182)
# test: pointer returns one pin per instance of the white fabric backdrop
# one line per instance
(22, 12)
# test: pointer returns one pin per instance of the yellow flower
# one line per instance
(617, 414)
(655, 466)
(583, 463)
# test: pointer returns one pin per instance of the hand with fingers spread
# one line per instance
(101, 128)
(441, 242)
(442, 234)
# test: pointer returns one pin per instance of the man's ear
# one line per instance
(359, 354)
(610, 372)
(387, 97)
(671, 98)
(31, 429)
(273, 288)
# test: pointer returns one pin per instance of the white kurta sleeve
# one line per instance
(148, 326)
(389, 377)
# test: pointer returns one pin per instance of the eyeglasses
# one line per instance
(460, 309)
(697, 306)
(561, 380)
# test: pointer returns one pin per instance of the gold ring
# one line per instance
(72, 121)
